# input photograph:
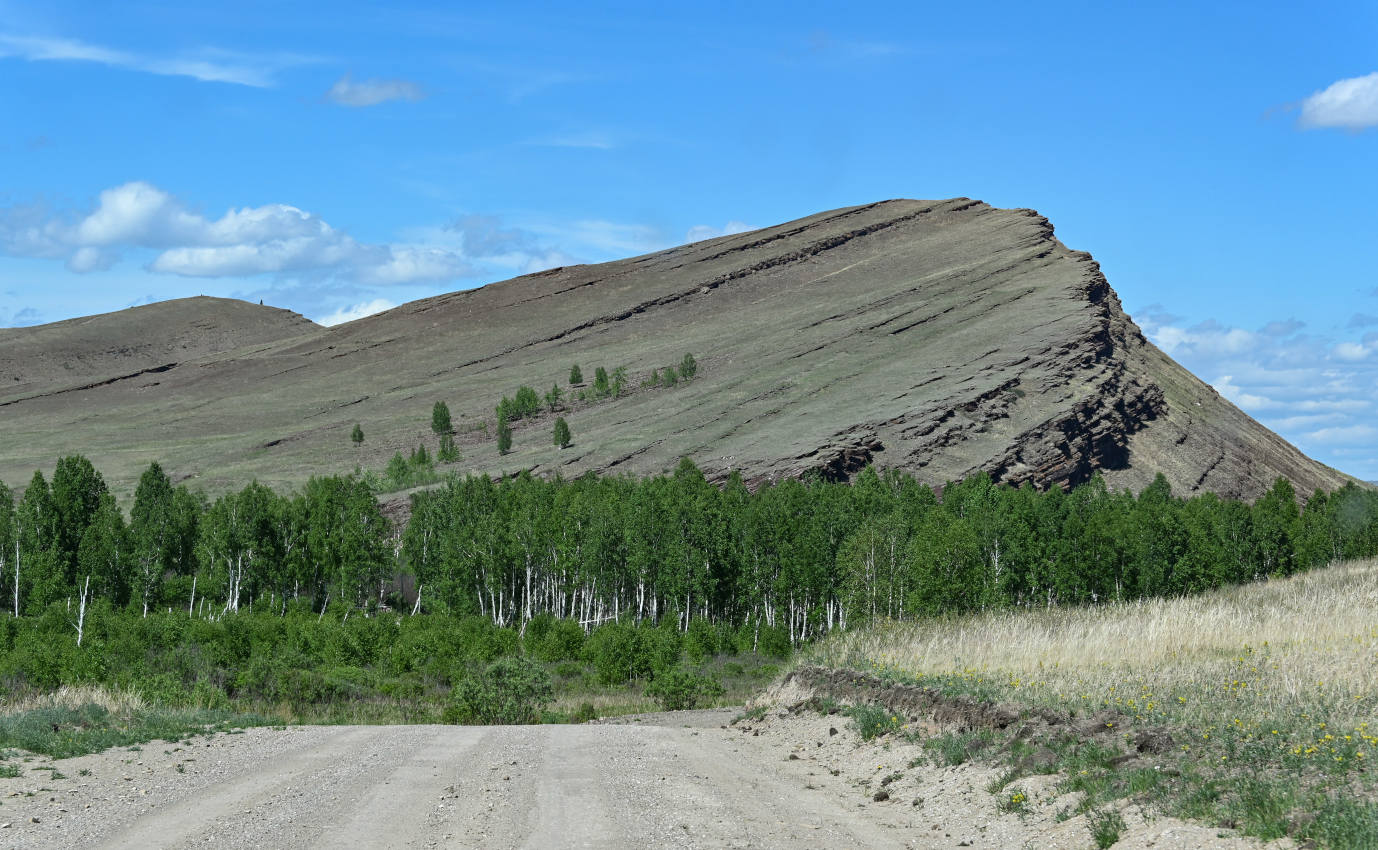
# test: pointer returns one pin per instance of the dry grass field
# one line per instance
(1269, 692)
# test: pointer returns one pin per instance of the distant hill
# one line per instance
(938, 337)
(153, 336)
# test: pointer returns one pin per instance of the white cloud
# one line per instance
(208, 65)
(1346, 435)
(347, 92)
(1209, 337)
(1356, 351)
(1350, 103)
(357, 311)
(1320, 393)
(274, 238)
(700, 232)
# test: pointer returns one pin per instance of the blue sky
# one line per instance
(335, 159)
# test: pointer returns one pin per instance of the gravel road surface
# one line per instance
(632, 785)
(678, 780)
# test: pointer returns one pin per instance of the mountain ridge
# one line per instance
(936, 337)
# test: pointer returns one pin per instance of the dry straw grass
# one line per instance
(122, 703)
(1300, 646)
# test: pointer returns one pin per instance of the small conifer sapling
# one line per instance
(562, 435)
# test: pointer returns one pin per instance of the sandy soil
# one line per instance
(680, 780)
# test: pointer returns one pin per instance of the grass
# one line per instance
(74, 721)
(1269, 692)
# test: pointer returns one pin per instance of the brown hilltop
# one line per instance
(938, 337)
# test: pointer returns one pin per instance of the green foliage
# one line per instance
(669, 377)
(553, 398)
(873, 721)
(700, 640)
(576, 377)
(602, 387)
(504, 436)
(357, 435)
(61, 732)
(679, 689)
(1106, 826)
(526, 403)
(412, 470)
(440, 419)
(552, 640)
(688, 367)
(619, 653)
(448, 453)
(562, 435)
(509, 691)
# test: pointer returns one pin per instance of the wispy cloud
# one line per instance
(593, 140)
(699, 232)
(274, 238)
(1350, 104)
(826, 43)
(348, 92)
(20, 318)
(213, 65)
(356, 311)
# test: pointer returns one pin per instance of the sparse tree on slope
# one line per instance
(562, 436)
(357, 435)
(504, 436)
(440, 419)
(575, 376)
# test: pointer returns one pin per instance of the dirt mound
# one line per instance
(811, 688)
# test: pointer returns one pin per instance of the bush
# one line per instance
(774, 642)
(662, 645)
(680, 689)
(549, 639)
(510, 691)
(701, 641)
(618, 654)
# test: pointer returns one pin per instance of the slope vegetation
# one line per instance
(939, 337)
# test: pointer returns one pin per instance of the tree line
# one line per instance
(794, 557)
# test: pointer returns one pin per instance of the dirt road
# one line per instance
(606, 786)
(685, 780)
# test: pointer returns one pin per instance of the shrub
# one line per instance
(662, 645)
(680, 689)
(872, 721)
(701, 641)
(509, 691)
(774, 642)
(559, 640)
(618, 654)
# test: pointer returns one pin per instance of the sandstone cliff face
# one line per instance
(938, 337)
